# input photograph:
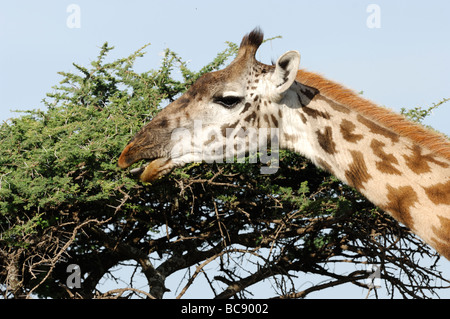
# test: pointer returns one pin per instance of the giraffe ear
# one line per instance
(285, 72)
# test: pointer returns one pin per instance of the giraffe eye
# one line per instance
(228, 101)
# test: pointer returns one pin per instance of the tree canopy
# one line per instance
(64, 201)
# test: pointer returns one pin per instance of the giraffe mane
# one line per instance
(429, 139)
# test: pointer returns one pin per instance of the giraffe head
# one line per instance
(234, 104)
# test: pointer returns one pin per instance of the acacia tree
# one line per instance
(63, 201)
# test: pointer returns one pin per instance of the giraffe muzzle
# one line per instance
(154, 168)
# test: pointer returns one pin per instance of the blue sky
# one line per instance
(403, 63)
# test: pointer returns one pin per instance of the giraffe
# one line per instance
(400, 166)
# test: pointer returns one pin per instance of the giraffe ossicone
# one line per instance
(398, 165)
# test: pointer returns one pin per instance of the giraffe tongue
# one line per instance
(138, 171)
(152, 170)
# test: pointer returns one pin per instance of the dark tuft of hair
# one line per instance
(253, 39)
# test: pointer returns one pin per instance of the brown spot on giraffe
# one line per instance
(266, 119)
(443, 236)
(347, 129)
(315, 113)
(339, 108)
(439, 193)
(418, 163)
(290, 138)
(357, 173)
(274, 120)
(251, 117)
(401, 200)
(377, 129)
(164, 122)
(184, 102)
(386, 165)
(211, 140)
(326, 140)
(246, 107)
(303, 118)
(324, 165)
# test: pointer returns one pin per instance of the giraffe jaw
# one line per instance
(153, 170)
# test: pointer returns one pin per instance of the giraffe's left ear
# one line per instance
(285, 72)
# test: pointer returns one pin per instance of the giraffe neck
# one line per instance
(399, 166)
